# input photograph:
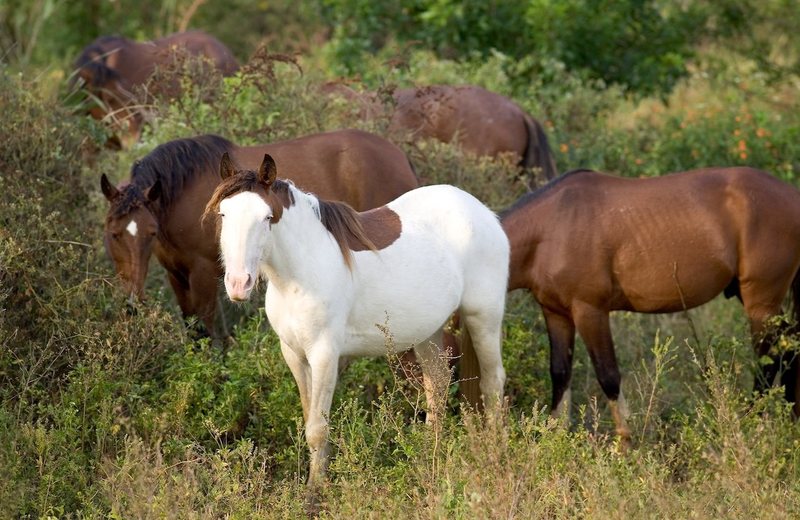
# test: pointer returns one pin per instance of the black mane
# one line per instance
(525, 199)
(94, 59)
(174, 164)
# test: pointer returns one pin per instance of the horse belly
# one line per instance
(672, 284)
(402, 305)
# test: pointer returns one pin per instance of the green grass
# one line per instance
(106, 414)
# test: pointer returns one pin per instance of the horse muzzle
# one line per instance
(239, 286)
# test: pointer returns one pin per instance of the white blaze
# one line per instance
(132, 228)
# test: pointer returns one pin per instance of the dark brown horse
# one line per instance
(480, 121)
(587, 244)
(112, 68)
(159, 210)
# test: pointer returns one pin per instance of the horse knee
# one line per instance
(317, 434)
(610, 381)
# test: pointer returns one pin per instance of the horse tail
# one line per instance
(796, 298)
(537, 152)
(469, 370)
(413, 170)
(791, 376)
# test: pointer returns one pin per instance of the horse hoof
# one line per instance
(313, 504)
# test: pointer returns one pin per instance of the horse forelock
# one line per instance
(129, 199)
(280, 195)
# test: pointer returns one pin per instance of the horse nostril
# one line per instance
(249, 282)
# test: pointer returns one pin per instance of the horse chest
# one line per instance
(300, 318)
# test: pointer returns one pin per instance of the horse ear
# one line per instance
(268, 172)
(226, 168)
(109, 190)
(153, 192)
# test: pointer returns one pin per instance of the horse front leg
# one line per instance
(561, 332)
(323, 362)
(300, 370)
(203, 294)
(594, 327)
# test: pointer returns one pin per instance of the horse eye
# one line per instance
(115, 236)
(268, 218)
(221, 215)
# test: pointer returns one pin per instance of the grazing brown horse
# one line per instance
(113, 67)
(480, 121)
(588, 243)
(159, 209)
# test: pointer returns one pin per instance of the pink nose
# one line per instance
(238, 285)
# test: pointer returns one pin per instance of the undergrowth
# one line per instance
(111, 413)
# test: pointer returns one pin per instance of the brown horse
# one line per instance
(112, 68)
(159, 210)
(483, 123)
(587, 244)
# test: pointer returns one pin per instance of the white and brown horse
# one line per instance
(338, 279)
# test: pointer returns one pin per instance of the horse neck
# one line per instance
(303, 250)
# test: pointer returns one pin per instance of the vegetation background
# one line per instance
(103, 414)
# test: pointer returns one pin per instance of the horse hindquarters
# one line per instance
(481, 314)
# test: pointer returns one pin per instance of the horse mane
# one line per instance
(174, 164)
(535, 194)
(342, 221)
(94, 56)
(339, 219)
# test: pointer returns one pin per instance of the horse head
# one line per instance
(108, 89)
(130, 230)
(247, 206)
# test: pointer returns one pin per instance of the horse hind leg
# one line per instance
(435, 375)
(484, 328)
(761, 302)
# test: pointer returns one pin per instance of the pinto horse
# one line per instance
(159, 209)
(335, 275)
(112, 68)
(588, 243)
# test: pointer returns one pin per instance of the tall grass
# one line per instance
(109, 414)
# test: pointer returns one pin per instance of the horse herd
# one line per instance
(371, 254)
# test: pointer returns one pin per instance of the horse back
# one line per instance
(483, 122)
(199, 43)
(352, 166)
(651, 245)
